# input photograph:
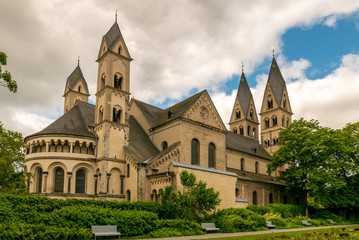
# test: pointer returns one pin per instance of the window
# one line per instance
(249, 130)
(100, 115)
(59, 180)
(254, 198)
(117, 81)
(116, 115)
(80, 181)
(128, 170)
(79, 89)
(38, 173)
(270, 103)
(211, 155)
(119, 49)
(242, 164)
(256, 167)
(266, 143)
(235, 130)
(254, 132)
(266, 123)
(270, 198)
(128, 195)
(195, 152)
(237, 193)
(241, 131)
(103, 81)
(275, 141)
(238, 114)
(284, 102)
(154, 196)
(287, 122)
(274, 119)
(283, 121)
(251, 114)
(164, 145)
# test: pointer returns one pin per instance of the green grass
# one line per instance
(325, 234)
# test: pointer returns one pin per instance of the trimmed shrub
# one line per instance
(176, 228)
(288, 210)
(327, 215)
(261, 210)
(239, 220)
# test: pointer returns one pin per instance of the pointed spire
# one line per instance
(276, 81)
(244, 95)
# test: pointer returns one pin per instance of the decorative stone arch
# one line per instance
(118, 80)
(52, 178)
(102, 80)
(117, 114)
(100, 114)
(128, 195)
(36, 185)
(114, 180)
(81, 183)
(274, 120)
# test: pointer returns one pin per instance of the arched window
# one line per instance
(249, 130)
(256, 167)
(251, 114)
(238, 114)
(242, 164)
(266, 123)
(270, 103)
(254, 132)
(270, 198)
(154, 195)
(164, 145)
(116, 115)
(254, 198)
(128, 195)
(59, 180)
(266, 143)
(284, 103)
(119, 49)
(241, 131)
(38, 173)
(128, 170)
(100, 114)
(287, 122)
(117, 81)
(274, 119)
(237, 192)
(275, 141)
(79, 89)
(211, 155)
(80, 181)
(235, 130)
(103, 81)
(195, 152)
(283, 121)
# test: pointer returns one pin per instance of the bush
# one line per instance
(261, 210)
(288, 210)
(239, 219)
(327, 215)
(176, 228)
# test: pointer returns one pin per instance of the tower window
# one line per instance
(242, 164)
(256, 166)
(254, 198)
(270, 103)
(195, 152)
(283, 121)
(254, 132)
(116, 115)
(251, 114)
(275, 141)
(266, 123)
(266, 143)
(211, 155)
(275, 122)
(241, 131)
(103, 81)
(284, 103)
(287, 122)
(128, 170)
(119, 49)
(164, 145)
(117, 81)
(249, 130)
(79, 89)
(238, 114)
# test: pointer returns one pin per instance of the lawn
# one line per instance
(325, 234)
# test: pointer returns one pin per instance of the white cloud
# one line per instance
(177, 46)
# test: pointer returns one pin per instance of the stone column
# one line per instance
(44, 181)
(69, 174)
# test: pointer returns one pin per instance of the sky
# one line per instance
(182, 47)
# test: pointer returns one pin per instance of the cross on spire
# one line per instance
(242, 66)
(116, 16)
(273, 51)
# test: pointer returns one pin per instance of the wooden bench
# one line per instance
(105, 231)
(306, 223)
(332, 222)
(209, 227)
(270, 225)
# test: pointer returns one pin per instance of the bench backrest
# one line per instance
(269, 223)
(104, 228)
(305, 222)
(208, 225)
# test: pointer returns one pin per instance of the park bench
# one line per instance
(209, 227)
(306, 223)
(332, 222)
(270, 225)
(105, 231)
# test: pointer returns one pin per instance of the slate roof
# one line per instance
(156, 116)
(250, 176)
(276, 81)
(195, 167)
(244, 144)
(74, 122)
(244, 95)
(140, 146)
(112, 36)
(74, 77)
(166, 151)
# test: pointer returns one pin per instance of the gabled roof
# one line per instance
(244, 144)
(75, 77)
(140, 146)
(74, 122)
(156, 116)
(112, 36)
(276, 82)
(244, 95)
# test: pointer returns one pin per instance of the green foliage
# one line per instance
(327, 215)
(239, 220)
(5, 77)
(175, 228)
(287, 210)
(193, 202)
(261, 210)
(323, 163)
(11, 160)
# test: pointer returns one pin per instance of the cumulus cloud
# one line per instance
(177, 46)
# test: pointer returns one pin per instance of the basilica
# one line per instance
(127, 150)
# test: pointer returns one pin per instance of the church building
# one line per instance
(127, 150)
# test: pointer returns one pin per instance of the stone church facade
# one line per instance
(127, 150)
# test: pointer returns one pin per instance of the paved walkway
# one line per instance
(222, 235)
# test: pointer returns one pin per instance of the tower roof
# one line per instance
(276, 81)
(74, 77)
(244, 95)
(112, 36)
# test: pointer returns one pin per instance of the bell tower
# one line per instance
(276, 112)
(244, 120)
(112, 102)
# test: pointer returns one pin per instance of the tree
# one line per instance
(322, 162)
(5, 77)
(195, 199)
(11, 160)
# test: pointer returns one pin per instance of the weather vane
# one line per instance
(116, 16)
(273, 51)
(242, 66)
